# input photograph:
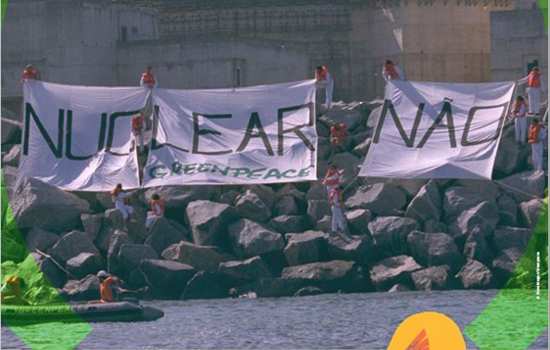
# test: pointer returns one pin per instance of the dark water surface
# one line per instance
(365, 321)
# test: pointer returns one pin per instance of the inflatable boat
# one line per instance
(123, 311)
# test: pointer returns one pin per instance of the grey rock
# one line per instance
(507, 210)
(317, 191)
(359, 248)
(249, 239)
(85, 289)
(475, 275)
(266, 194)
(426, 204)
(349, 163)
(208, 220)
(505, 263)
(506, 237)
(131, 255)
(325, 224)
(286, 205)
(510, 156)
(11, 131)
(399, 287)
(329, 275)
(477, 247)
(307, 291)
(204, 285)
(178, 197)
(240, 272)
(432, 226)
(92, 224)
(487, 188)
(166, 278)
(481, 218)
(380, 198)
(200, 257)
(116, 240)
(250, 206)
(529, 212)
(135, 227)
(392, 270)
(303, 248)
(358, 221)
(37, 238)
(84, 264)
(289, 223)
(524, 186)
(458, 199)
(52, 272)
(229, 197)
(72, 244)
(316, 209)
(431, 278)
(362, 148)
(432, 249)
(162, 234)
(390, 233)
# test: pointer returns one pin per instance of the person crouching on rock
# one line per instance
(157, 210)
(121, 202)
(338, 224)
(332, 178)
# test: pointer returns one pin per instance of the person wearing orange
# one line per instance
(137, 130)
(535, 86)
(391, 71)
(324, 81)
(148, 79)
(157, 206)
(536, 136)
(519, 112)
(332, 178)
(30, 73)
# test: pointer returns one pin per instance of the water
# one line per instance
(327, 321)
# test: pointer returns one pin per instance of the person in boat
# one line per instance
(325, 81)
(11, 292)
(519, 112)
(120, 198)
(157, 210)
(109, 287)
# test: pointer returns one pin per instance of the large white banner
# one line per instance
(438, 130)
(79, 137)
(258, 134)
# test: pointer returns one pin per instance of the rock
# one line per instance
(204, 285)
(290, 189)
(392, 270)
(317, 191)
(505, 263)
(459, 199)
(289, 223)
(84, 264)
(432, 226)
(524, 186)
(135, 227)
(166, 278)
(477, 248)
(432, 249)
(359, 249)
(358, 221)
(11, 158)
(325, 224)
(510, 157)
(178, 197)
(362, 148)
(426, 204)
(229, 197)
(316, 209)
(303, 248)
(307, 291)
(105, 200)
(240, 272)
(250, 206)
(72, 244)
(399, 287)
(286, 205)
(162, 234)
(488, 188)
(481, 218)
(529, 212)
(431, 278)
(475, 275)
(266, 194)
(52, 272)
(349, 163)
(84, 289)
(92, 224)
(131, 255)
(249, 239)
(208, 220)
(511, 237)
(380, 198)
(34, 202)
(200, 257)
(330, 276)
(410, 186)
(116, 240)
(11, 131)
(507, 210)
(390, 234)
(340, 112)
(37, 238)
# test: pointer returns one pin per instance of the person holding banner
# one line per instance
(121, 202)
(137, 130)
(148, 79)
(519, 113)
(534, 89)
(157, 210)
(537, 133)
(391, 71)
(332, 178)
(338, 222)
(30, 73)
(324, 81)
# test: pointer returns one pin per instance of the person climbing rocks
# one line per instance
(391, 71)
(537, 133)
(338, 135)
(519, 112)
(535, 86)
(148, 79)
(30, 73)
(137, 130)
(325, 81)
(10, 293)
(332, 178)
(157, 210)
(338, 221)
(121, 202)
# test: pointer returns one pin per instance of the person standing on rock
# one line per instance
(30, 73)
(148, 79)
(391, 71)
(537, 133)
(137, 130)
(534, 89)
(157, 210)
(332, 178)
(338, 135)
(120, 199)
(519, 113)
(324, 81)
(338, 222)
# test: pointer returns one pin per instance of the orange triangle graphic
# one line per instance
(421, 342)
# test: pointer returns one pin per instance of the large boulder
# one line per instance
(72, 244)
(176, 198)
(265, 193)
(477, 247)
(135, 227)
(116, 240)
(524, 186)
(432, 249)
(505, 263)
(431, 278)
(249, 239)
(511, 156)
(131, 255)
(426, 204)
(317, 191)
(390, 234)
(162, 234)
(53, 273)
(205, 285)
(359, 248)
(330, 275)
(250, 206)
(480, 218)
(475, 275)
(239, 272)
(36, 204)
(287, 205)
(208, 220)
(362, 148)
(317, 209)
(92, 224)
(380, 198)
(409, 186)
(458, 199)
(166, 278)
(392, 270)
(84, 264)
(507, 210)
(37, 238)
(289, 223)
(303, 248)
(511, 237)
(529, 212)
(85, 289)
(200, 257)
(358, 221)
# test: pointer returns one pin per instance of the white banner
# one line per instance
(79, 137)
(258, 134)
(438, 130)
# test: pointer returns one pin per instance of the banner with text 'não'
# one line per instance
(438, 130)
(80, 137)
(251, 135)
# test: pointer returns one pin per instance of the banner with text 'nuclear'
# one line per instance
(79, 137)
(438, 130)
(251, 135)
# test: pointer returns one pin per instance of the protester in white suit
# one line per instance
(519, 113)
(535, 88)
(325, 81)
(537, 135)
(119, 198)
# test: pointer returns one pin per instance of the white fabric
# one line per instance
(174, 160)
(521, 125)
(102, 169)
(534, 99)
(124, 209)
(437, 157)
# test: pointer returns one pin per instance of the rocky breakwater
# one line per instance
(272, 241)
